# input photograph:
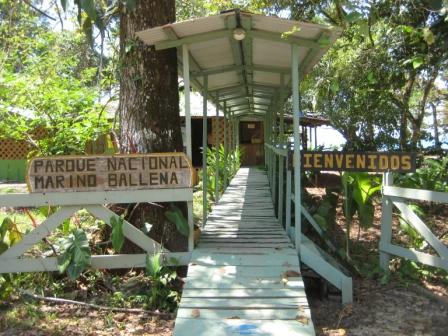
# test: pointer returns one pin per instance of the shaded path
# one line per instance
(244, 277)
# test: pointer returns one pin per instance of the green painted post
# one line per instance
(225, 143)
(204, 151)
(281, 159)
(386, 224)
(217, 150)
(296, 123)
(186, 75)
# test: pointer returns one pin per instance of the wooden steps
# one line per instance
(244, 276)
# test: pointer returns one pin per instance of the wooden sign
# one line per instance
(356, 161)
(109, 172)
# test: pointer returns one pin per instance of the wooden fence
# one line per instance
(395, 196)
(13, 259)
(282, 190)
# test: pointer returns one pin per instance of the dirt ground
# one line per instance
(390, 310)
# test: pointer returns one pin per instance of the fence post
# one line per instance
(386, 223)
(280, 189)
(288, 192)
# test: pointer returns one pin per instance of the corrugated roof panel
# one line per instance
(271, 53)
(153, 35)
(278, 25)
(267, 78)
(212, 53)
(200, 25)
(223, 79)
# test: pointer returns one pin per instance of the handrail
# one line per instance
(416, 194)
(279, 151)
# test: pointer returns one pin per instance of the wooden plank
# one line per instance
(415, 194)
(239, 271)
(221, 259)
(246, 283)
(241, 327)
(244, 303)
(242, 293)
(95, 197)
(223, 314)
(50, 264)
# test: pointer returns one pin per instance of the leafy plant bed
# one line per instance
(412, 300)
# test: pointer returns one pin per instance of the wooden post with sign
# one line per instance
(90, 182)
(357, 161)
(109, 173)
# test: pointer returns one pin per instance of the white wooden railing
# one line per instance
(395, 196)
(277, 161)
(13, 260)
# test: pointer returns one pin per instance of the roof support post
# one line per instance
(217, 149)
(186, 75)
(204, 151)
(225, 144)
(281, 159)
(186, 64)
(296, 123)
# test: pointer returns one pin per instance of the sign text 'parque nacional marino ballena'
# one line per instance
(357, 161)
(109, 172)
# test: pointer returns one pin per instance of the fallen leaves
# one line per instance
(302, 319)
(195, 313)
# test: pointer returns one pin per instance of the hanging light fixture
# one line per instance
(239, 34)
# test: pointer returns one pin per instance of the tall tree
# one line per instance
(149, 103)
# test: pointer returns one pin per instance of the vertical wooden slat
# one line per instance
(386, 223)
(296, 122)
(204, 151)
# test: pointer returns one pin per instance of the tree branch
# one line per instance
(93, 306)
(38, 10)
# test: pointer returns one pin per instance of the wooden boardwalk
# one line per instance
(244, 277)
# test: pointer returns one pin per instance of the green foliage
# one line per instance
(9, 234)
(47, 82)
(76, 256)
(325, 214)
(358, 189)
(433, 175)
(117, 235)
(226, 164)
(415, 239)
(162, 292)
(175, 216)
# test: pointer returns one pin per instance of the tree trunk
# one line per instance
(437, 143)
(417, 120)
(149, 106)
(405, 110)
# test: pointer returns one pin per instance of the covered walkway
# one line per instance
(244, 276)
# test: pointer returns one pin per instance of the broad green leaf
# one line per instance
(153, 266)
(117, 235)
(14, 235)
(175, 216)
(3, 247)
(76, 256)
(417, 61)
(7, 224)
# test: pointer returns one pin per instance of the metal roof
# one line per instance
(251, 76)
